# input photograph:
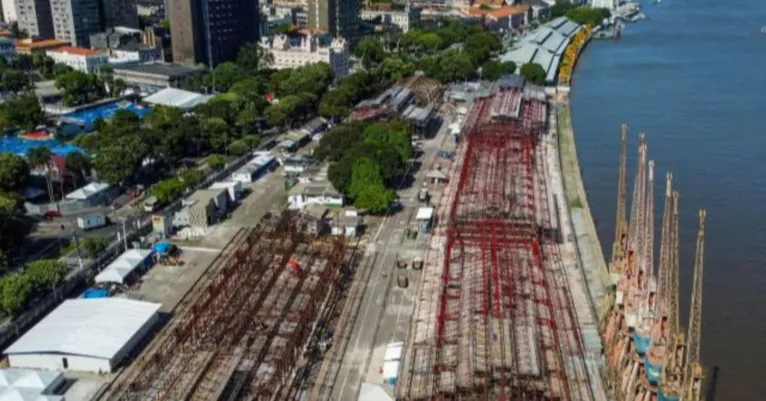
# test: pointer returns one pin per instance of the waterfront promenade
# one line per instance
(591, 256)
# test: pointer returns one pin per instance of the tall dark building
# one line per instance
(336, 17)
(212, 31)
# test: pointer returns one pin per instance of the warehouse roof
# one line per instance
(177, 98)
(98, 328)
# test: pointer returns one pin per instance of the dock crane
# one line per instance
(621, 224)
(695, 373)
(673, 371)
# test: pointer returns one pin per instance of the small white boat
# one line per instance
(763, 30)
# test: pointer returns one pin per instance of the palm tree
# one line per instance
(41, 157)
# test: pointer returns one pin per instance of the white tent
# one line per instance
(177, 98)
(373, 392)
(123, 266)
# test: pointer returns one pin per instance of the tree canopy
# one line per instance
(588, 15)
(367, 160)
(534, 73)
(24, 113)
(78, 87)
(493, 70)
(14, 172)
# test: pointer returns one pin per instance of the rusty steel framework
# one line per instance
(494, 318)
(247, 332)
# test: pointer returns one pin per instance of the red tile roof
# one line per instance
(78, 51)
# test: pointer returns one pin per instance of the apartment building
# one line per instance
(34, 16)
(75, 20)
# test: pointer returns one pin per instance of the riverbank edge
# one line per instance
(590, 254)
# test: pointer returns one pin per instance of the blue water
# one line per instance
(692, 77)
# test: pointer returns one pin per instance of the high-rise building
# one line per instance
(9, 11)
(34, 16)
(336, 17)
(75, 20)
(116, 13)
(212, 31)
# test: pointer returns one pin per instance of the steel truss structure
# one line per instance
(247, 334)
(494, 318)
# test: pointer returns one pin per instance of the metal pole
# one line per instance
(77, 245)
(124, 234)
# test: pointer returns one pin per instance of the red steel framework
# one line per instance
(245, 333)
(504, 318)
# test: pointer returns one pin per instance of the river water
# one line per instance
(693, 77)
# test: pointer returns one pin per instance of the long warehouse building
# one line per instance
(85, 335)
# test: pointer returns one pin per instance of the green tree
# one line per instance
(561, 8)
(282, 29)
(168, 190)
(192, 177)
(375, 198)
(39, 156)
(14, 293)
(94, 246)
(252, 57)
(588, 15)
(45, 273)
(454, 66)
(431, 42)
(43, 64)
(15, 80)
(479, 46)
(238, 148)
(370, 51)
(78, 164)
(78, 87)
(14, 227)
(24, 112)
(224, 76)
(217, 132)
(14, 172)
(114, 163)
(60, 69)
(216, 162)
(364, 173)
(492, 70)
(393, 69)
(335, 104)
(534, 73)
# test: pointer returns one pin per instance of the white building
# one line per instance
(79, 58)
(314, 193)
(33, 385)
(137, 54)
(9, 11)
(404, 20)
(8, 49)
(308, 51)
(85, 335)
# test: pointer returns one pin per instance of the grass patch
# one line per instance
(575, 203)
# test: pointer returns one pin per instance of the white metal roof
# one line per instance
(393, 352)
(88, 190)
(177, 98)
(97, 328)
(373, 392)
(28, 385)
(123, 266)
(425, 213)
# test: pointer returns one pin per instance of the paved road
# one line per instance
(385, 309)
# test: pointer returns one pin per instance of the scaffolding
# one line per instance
(494, 317)
(247, 333)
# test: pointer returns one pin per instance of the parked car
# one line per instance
(52, 214)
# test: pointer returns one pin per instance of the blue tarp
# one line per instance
(652, 371)
(20, 146)
(162, 247)
(641, 342)
(87, 117)
(95, 293)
